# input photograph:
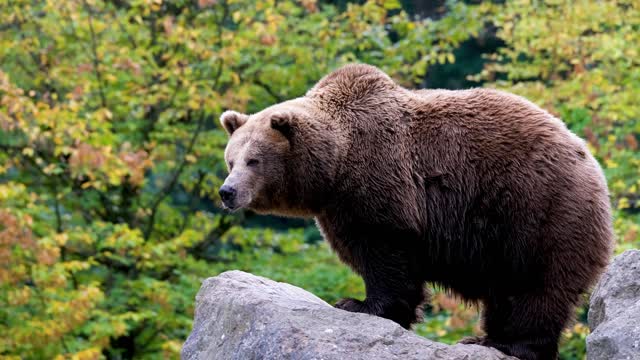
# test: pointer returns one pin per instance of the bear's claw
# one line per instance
(352, 305)
(473, 340)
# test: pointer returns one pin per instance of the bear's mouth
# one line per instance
(234, 205)
(230, 207)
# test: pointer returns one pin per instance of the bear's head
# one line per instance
(285, 159)
(280, 160)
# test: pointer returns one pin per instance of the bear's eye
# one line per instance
(252, 162)
(230, 165)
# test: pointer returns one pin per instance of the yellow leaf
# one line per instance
(451, 58)
(611, 164)
(193, 104)
(61, 239)
(27, 151)
(623, 203)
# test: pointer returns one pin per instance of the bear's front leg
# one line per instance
(398, 311)
(393, 290)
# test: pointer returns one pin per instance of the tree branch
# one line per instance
(206, 248)
(269, 90)
(56, 204)
(174, 179)
(94, 50)
(192, 201)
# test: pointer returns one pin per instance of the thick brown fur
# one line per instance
(478, 191)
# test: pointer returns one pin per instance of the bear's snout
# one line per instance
(228, 195)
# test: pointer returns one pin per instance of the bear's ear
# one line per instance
(232, 120)
(285, 123)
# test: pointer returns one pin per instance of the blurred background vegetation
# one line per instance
(111, 152)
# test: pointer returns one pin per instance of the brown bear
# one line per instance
(477, 191)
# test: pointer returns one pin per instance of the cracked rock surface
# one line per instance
(243, 316)
(614, 311)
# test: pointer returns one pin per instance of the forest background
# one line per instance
(111, 153)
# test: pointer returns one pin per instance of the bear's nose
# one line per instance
(227, 194)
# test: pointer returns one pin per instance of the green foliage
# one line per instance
(448, 320)
(111, 155)
(313, 267)
(579, 60)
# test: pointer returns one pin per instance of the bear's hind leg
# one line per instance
(527, 326)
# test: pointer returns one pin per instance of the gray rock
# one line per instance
(242, 316)
(614, 312)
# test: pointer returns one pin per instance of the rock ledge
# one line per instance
(614, 311)
(242, 316)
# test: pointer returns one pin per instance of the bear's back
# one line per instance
(488, 128)
(495, 167)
